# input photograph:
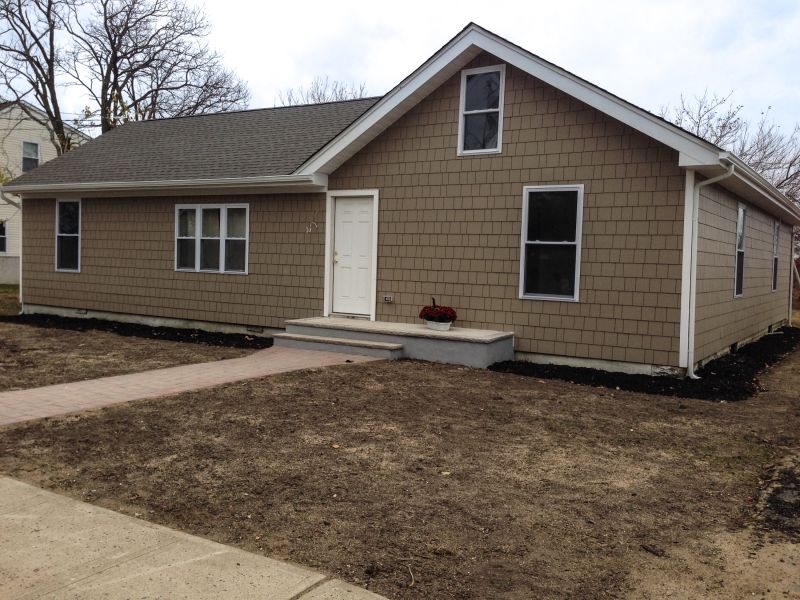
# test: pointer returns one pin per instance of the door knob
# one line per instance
(335, 257)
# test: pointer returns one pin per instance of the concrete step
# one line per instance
(372, 348)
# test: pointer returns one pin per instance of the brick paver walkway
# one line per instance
(52, 400)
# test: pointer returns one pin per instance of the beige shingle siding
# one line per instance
(127, 260)
(722, 319)
(449, 227)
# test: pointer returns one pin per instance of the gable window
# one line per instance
(211, 238)
(3, 238)
(776, 242)
(30, 156)
(551, 242)
(68, 235)
(481, 110)
(741, 225)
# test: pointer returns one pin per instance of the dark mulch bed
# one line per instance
(731, 377)
(782, 510)
(172, 334)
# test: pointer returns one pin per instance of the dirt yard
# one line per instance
(419, 481)
(33, 356)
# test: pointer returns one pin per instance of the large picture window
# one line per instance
(776, 244)
(741, 238)
(211, 238)
(481, 114)
(551, 242)
(68, 235)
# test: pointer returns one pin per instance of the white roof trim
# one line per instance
(313, 179)
(694, 151)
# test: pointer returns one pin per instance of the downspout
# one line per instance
(795, 280)
(693, 271)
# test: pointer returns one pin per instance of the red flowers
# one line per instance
(439, 314)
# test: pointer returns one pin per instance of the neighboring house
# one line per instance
(24, 145)
(528, 199)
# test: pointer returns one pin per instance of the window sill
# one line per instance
(68, 270)
(211, 272)
(479, 152)
(551, 298)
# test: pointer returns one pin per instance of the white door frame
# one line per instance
(330, 203)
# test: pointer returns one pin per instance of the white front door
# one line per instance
(352, 256)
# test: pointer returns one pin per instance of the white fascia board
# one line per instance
(599, 99)
(692, 149)
(241, 183)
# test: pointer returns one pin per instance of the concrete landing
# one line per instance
(57, 548)
(460, 345)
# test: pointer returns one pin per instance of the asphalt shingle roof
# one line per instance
(250, 143)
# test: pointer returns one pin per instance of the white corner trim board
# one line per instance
(688, 256)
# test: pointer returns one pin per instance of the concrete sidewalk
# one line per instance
(56, 547)
(53, 400)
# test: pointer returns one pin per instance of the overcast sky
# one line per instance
(648, 52)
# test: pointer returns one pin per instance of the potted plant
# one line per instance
(438, 318)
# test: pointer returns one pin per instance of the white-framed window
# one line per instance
(480, 128)
(3, 237)
(212, 238)
(68, 235)
(741, 237)
(776, 243)
(550, 253)
(30, 156)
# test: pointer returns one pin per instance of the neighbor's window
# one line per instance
(30, 156)
(551, 242)
(3, 238)
(740, 244)
(211, 238)
(481, 118)
(68, 235)
(776, 239)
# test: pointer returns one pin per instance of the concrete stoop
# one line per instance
(380, 339)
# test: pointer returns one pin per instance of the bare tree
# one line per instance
(146, 59)
(29, 62)
(322, 89)
(774, 153)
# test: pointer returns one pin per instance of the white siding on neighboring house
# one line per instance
(16, 129)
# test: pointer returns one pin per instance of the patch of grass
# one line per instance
(9, 299)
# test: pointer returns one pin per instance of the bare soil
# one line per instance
(419, 480)
(39, 350)
(37, 356)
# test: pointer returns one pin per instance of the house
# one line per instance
(563, 223)
(24, 144)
